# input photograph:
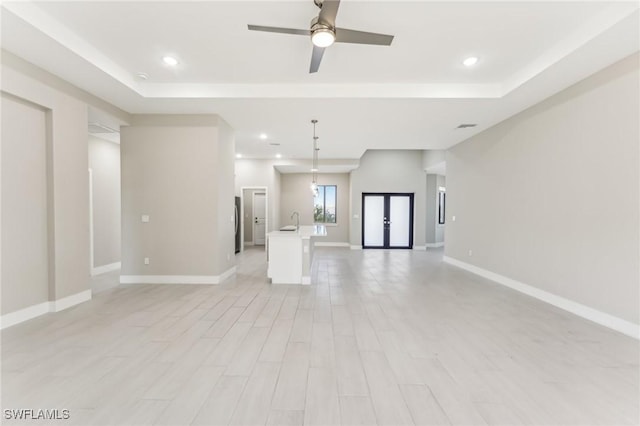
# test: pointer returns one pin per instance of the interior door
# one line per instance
(387, 220)
(373, 217)
(259, 213)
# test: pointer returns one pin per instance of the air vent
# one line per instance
(100, 128)
(466, 125)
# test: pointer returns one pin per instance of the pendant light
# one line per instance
(314, 161)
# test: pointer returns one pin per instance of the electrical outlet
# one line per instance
(453, 218)
(228, 256)
(470, 252)
(146, 260)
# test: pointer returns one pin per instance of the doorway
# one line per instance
(387, 220)
(259, 218)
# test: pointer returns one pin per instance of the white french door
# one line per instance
(387, 220)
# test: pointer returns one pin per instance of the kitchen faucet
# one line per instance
(297, 215)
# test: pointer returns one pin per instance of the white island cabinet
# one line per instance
(290, 254)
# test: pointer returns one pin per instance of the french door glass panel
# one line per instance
(373, 221)
(399, 215)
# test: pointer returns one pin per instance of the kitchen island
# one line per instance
(290, 254)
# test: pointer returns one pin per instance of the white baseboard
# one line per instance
(177, 279)
(330, 244)
(420, 248)
(69, 301)
(23, 315)
(355, 247)
(604, 319)
(435, 245)
(105, 268)
(34, 311)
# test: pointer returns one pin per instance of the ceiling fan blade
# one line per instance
(316, 57)
(344, 35)
(278, 30)
(328, 12)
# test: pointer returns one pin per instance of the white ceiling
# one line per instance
(411, 95)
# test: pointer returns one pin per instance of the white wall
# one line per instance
(104, 161)
(296, 196)
(550, 197)
(389, 171)
(179, 171)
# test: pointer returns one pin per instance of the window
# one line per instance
(324, 204)
(441, 205)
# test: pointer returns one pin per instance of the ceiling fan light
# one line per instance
(323, 37)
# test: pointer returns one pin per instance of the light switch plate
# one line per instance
(145, 218)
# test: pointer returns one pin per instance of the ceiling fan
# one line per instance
(324, 32)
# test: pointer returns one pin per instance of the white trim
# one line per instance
(420, 248)
(105, 268)
(330, 244)
(23, 315)
(40, 309)
(177, 279)
(434, 245)
(306, 280)
(355, 247)
(69, 301)
(604, 319)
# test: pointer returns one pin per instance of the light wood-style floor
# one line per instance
(383, 337)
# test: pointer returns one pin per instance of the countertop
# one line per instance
(304, 232)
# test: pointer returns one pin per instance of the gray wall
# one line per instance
(247, 197)
(550, 197)
(389, 171)
(441, 181)
(431, 216)
(25, 270)
(104, 161)
(179, 171)
(296, 196)
(66, 180)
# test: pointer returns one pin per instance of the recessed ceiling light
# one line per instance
(263, 136)
(170, 60)
(142, 76)
(278, 155)
(238, 155)
(470, 61)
